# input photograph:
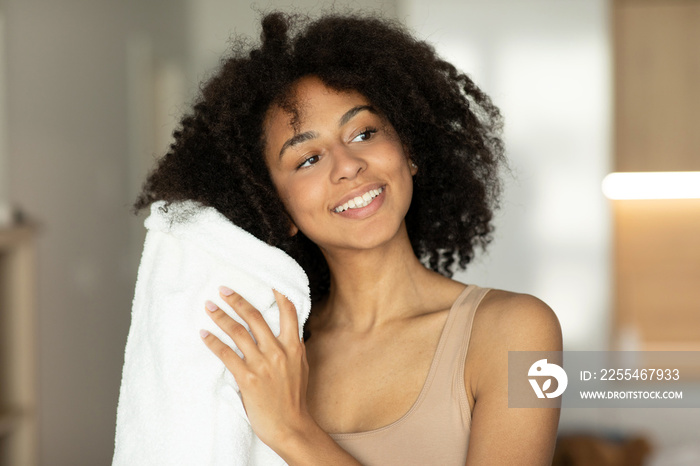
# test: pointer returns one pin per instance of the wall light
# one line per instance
(652, 185)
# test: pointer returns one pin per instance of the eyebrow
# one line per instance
(308, 135)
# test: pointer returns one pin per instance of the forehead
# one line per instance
(310, 100)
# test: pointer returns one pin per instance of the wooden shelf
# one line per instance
(9, 421)
(18, 424)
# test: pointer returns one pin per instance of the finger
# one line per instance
(236, 331)
(225, 353)
(254, 318)
(289, 321)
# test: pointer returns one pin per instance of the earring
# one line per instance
(413, 164)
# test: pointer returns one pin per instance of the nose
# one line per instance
(346, 164)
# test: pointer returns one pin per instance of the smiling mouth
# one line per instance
(360, 201)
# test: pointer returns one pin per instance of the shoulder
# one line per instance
(516, 322)
(503, 322)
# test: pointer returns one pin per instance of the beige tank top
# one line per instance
(436, 428)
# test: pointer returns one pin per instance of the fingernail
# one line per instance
(211, 307)
(203, 333)
(225, 290)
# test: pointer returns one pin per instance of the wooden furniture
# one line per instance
(657, 85)
(657, 128)
(18, 423)
(657, 262)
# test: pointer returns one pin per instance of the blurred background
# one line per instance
(91, 90)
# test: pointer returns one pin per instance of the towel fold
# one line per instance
(178, 404)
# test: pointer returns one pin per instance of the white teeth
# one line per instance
(360, 201)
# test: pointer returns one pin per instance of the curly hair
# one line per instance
(449, 126)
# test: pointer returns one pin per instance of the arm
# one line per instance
(502, 435)
(272, 377)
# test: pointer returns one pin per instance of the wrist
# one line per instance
(299, 433)
(307, 444)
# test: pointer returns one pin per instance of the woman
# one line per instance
(374, 163)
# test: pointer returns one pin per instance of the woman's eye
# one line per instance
(309, 161)
(365, 135)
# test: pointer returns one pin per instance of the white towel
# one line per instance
(178, 403)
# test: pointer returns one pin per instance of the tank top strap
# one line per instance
(452, 352)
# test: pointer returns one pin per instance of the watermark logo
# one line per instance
(542, 368)
(602, 379)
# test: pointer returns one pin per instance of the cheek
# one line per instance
(286, 194)
(303, 200)
(398, 163)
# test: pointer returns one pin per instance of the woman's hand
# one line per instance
(273, 373)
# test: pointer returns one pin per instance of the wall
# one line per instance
(67, 112)
(5, 214)
(546, 64)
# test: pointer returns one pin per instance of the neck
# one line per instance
(370, 288)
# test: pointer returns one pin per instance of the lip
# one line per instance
(366, 211)
(358, 192)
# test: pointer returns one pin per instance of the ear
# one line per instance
(293, 229)
(412, 166)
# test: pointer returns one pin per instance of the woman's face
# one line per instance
(342, 173)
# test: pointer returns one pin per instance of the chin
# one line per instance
(370, 237)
